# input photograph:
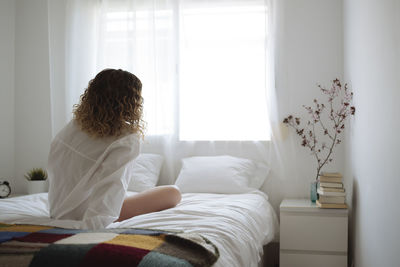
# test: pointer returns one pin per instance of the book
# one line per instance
(331, 199)
(331, 206)
(330, 179)
(331, 189)
(334, 194)
(331, 174)
(335, 185)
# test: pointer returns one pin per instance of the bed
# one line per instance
(239, 225)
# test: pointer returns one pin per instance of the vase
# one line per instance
(313, 191)
(35, 187)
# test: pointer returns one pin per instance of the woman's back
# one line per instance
(78, 162)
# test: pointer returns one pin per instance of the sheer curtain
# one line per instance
(203, 65)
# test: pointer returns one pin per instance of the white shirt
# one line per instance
(88, 176)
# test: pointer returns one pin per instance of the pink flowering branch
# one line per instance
(337, 117)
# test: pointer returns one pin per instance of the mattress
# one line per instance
(238, 224)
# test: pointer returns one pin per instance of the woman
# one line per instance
(88, 158)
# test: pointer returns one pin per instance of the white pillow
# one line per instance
(261, 174)
(220, 174)
(144, 172)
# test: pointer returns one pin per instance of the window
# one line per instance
(222, 74)
(202, 66)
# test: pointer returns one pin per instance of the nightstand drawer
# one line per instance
(300, 231)
(314, 260)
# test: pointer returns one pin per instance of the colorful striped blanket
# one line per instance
(34, 245)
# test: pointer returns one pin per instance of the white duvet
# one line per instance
(238, 224)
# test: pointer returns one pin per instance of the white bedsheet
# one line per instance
(238, 224)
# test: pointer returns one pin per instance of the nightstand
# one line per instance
(310, 236)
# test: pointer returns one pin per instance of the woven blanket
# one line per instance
(34, 245)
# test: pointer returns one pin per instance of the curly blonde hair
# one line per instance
(112, 105)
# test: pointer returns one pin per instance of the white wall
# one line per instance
(7, 115)
(372, 58)
(32, 89)
(309, 52)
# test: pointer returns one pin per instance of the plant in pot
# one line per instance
(37, 178)
(327, 118)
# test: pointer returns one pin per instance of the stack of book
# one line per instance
(331, 192)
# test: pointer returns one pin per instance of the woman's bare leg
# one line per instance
(155, 199)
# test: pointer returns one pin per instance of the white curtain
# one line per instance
(190, 108)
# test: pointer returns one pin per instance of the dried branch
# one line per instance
(336, 116)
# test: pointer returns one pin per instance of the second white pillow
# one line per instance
(144, 172)
(220, 174)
